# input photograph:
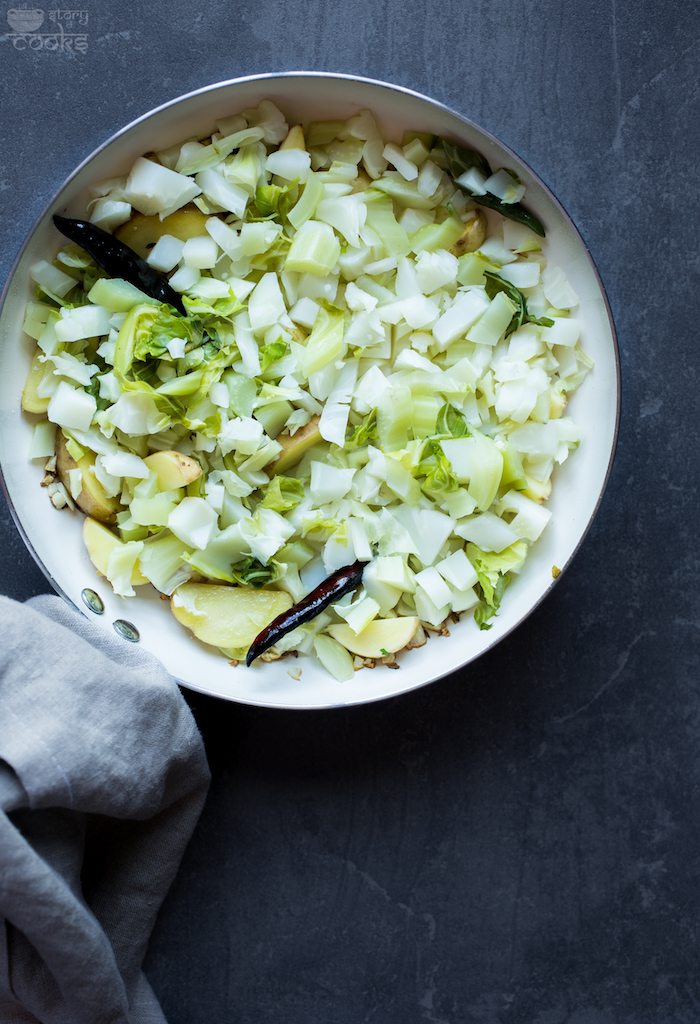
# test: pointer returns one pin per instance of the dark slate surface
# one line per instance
(517, 844)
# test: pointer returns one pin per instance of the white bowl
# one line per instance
(54, 538)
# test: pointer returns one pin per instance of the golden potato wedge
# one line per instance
(142, 232)
(295, 447)
(473, 235)
(173, 469)
(299, 334)
(100, 543)
(294, 138)
(30, 399)
(92, 499)
(379, 638)
(537, 491)
(557, 406)
(227, 616)
(361, 183)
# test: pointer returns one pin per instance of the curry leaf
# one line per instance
(495, 284)
(460, 160)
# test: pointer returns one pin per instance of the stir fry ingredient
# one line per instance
(308, 383)
(340, 583)
(118, 260)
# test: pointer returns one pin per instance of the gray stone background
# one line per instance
(516, 844)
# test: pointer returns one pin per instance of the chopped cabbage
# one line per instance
(350, 387)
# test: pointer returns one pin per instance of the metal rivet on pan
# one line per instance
(126, 630)
(92, 601)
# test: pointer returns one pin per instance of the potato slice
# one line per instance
(539, 492)
(473, 235)
(557, 406)
(227, 616)
(294, 138)
(295, 447)
(361, 183)
(141, 232)
(379, 638)
(30, 399)
(173, 469)
(299, 335)
(92, 499)
(100, 543)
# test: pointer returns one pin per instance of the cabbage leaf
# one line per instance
(493, 571)
(283, 493)
(250, 572)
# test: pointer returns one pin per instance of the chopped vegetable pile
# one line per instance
(370, 369)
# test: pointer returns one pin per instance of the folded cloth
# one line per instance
(102, 778)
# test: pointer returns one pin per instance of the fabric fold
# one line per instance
(103, 776)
